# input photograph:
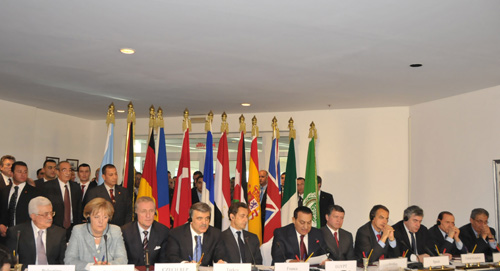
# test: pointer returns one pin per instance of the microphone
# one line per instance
(146, 258)
(282, 253)
(254, 268)
(327, 251)
(106, 243)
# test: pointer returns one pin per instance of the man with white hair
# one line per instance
(40, 242)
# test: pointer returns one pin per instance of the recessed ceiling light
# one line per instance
(416, 65)
(120, 111)
(127, 51)
(245, 104)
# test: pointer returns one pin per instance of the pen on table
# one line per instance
(364, 255)
(102, 258)
(474, 249)
(371, 251)
(201, 258)
(439, 254)
(95, 260)
(297, 257)
(309, 257)
(444, 251)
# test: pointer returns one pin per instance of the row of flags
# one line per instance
(280, 201)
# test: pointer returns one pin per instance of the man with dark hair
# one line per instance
(196, 238)
(66, 198)
(446, 236)
(240, 246)
(282, 178)
(5, 170)
(196, 190)
(263, 180)
(15, 198)
(477, 234)
(298, 239)
(325, 201)
(49, 173)
(338, 240)
(84, 177)
(40, 173)
(300, 190)
(145, 232)
(378, 235)
(113, 193)
(411, 235)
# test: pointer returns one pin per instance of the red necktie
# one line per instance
(303, 250)
(67, 208)
(378, 239)
(112, 196)
(83, 190)
(336, 239)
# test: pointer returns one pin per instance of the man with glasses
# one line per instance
(478, 235)
(40, 242)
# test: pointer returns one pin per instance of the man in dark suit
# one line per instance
(411, 235)
(263, 180)
(196, 238)
(446, 236)
(376, 235)
(288, 241)
(84, 176)
(116, 194)
(66, 198)
(49, 171)
(196, 190)
(338, 241)
(5, 170)
(325, 200)
(47, 246)
(145, 232)
(240, 246)
(15, 198)
(477, 234)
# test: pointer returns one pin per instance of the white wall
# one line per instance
(453, 143)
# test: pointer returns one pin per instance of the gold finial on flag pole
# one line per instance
(159, 118)
(208, 121)
(224, 127)
(243, 126)
(186, 123)
(276, 131)
(255, 128)
(312, 131)
(292, 130)
(131, 113)
(110, 118)
(152, 117)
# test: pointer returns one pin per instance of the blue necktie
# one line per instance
(197, 248)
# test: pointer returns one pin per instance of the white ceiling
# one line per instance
(281, 55)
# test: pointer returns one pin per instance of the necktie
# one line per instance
(241, 245)
(378, 239)
(413, 243)
(336, 239)
(40, 249)
(303, 250)
(300, 201)
(67, 208)
(145, 243)
(12, 207)
(83, 190)
(197, 248)
(10, 181)
(112, 196)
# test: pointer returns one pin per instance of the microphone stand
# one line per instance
(254, 268)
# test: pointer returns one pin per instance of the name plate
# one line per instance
(436, 261)
(496, 257)
(473, 258)
(118, 267)
(232, 267)
(392, 264)
(340, 265)
(53, 267)
(175, 266)
(291, 267)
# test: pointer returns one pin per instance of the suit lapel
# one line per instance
(330, 241)
(30, 241)
(189, 241)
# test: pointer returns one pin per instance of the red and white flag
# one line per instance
(182, 194)
(222, 188)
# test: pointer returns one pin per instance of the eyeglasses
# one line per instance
(47, 214)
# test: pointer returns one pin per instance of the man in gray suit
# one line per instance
(338, 241)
